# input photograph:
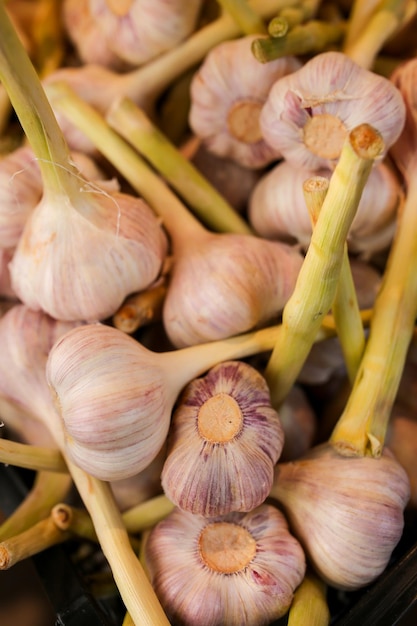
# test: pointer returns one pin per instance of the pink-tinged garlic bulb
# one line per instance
(78, 262)
(299, 423)
(227, 95)
(86, 36)
(20, 191)
(26, 338)
(277, 208)
(139, 30)
(401, 439)
(224, 440)
(240, 569)
(347, 512)
(404, 150)
(116, 397)
(310, 112)
(6, 290)
(225, 284)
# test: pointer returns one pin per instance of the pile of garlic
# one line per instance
(207, 296)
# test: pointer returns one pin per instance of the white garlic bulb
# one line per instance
(227, 95)
(224, 440)
(225, 284)
(347, 512)
(139, 30)
(6, 289)
(115, 239)
(309, 113)
(277, 208)
(240, 570)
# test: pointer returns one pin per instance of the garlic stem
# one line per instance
(388, 17)
(319, 275)
(33, 540)
(180, 223)
(292, 16)
(34, 112)
(244, 15)
(309, 605)
(31, 457)
(314, 36)
(140, 309)
(345, 306)
(147, 514)
(362, 427)
(48, 489)
(5, 110)
(133, 124)
(151, 79)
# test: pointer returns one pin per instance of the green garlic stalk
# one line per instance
(319, 275)
(345, 308)
(314, 36)
(31, 457)
(292, 16)
(244, 15)
(135, 126)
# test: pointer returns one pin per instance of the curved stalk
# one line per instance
(309, 605)
(134, 125)
(31, 457)
(244, 16)
(141, 309)
(31, 105)
(362, 427)
(319, 275)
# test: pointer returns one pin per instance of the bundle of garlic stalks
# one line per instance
(208, 296)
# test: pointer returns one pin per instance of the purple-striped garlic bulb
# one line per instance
(222, 284)
(310, 112)
(224, 441)
(277, 208)
(78, 261)
(116, 397)
(239, 569)
(347, 512)
(227, 95)
(140, 30)
(403, 152)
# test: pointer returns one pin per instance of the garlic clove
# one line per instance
(227, 94)
(225, 284)
(238, 569)
(310, 112)
(139, 30)
(116, 240)
(346, 511)
(224, 440)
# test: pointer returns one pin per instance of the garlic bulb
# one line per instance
(139, 30)
(117, 424)
(78, 262)
(224, 440)
(403, 151)
(277, 208)
(299, 423)
(26, 338)
(241, 569)
(401, 439)
(6, 289)
(346, 511)
(310, 112)
(86, 36)
(20, 191)
(224, 284)
(227, 95)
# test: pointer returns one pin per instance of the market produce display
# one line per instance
(208, 290)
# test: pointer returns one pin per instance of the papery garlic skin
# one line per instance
(139, 30)
(404, 150)
(299, 423)
(86, 37)
(347, 512)
(224, 440)
(112, 396)
(195, 590)
(6, 289)
(26, 338)
(277, 208)
(310, 112)
(80, 262)
(227, 284)
(20, 191)
(227, 94)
